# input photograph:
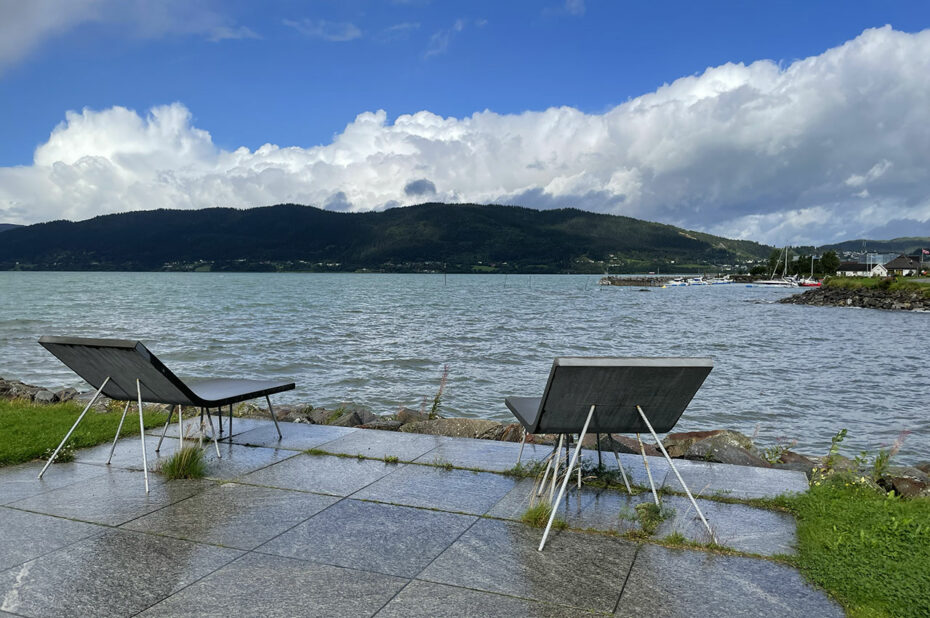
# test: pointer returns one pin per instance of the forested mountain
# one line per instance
(8, 226)
(450, 237)
(895, 245)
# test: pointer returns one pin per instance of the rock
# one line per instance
(457, 428)
(66, 394)
(406, 415)
(789, 460)
(906, 481)
(367, 416)
(45, 397)
(677, 444)
(721, 449)
(349, 419)
(511, 433)
(322, 416)
(382, 424)
(626, 444)
(923, 466)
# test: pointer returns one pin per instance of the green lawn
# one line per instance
(870, 550)
(28, 430)
(894, 285)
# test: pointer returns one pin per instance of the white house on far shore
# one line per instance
(855, 269)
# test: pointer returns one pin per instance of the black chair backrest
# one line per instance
(123, 362)
(662, 387)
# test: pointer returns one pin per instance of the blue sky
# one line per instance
(296, 75)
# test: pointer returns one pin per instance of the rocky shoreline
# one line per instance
(719, 445)
(866, 298)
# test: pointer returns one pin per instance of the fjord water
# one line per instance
(787, 372)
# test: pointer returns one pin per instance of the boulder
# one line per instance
(789, 460)
(349, 419)
(45, 397)
(906, 481)
(721, 449)
(923, 466)
(677, 444)
(383, 424)
(626, 444)
(322, 416)
(457, 428)
(66, 394)
(406, 415)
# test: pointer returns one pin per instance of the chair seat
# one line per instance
(526, 409)
(224, 391)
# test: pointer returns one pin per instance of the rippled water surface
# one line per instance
(784, 371)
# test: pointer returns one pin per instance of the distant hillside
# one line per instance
(8, 226)
(456, 238)
(895, 245)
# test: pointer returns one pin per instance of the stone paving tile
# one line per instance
(240, 516)
(486, 455)
(462, 491)
(337, 476)
(18, 482)
(117, 573)
(395, 540)
(581, 570)
(237, 460)
(429, 600)
(378, 444)
(295, 436)
(29, 535)
(673, 583)
(128, 453)
(738, 526)
(705, 478)
(270, 586)
(112, 498)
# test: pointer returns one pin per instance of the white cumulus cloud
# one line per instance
(826, 148)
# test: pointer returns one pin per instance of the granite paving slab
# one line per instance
(117, 573)
(233, 515)
(128, 453)
(237, 460)
(337, 476)
(673, 583)
(112, 498)
(461, 491)
(270, 586)
(378, 444)
(29, 535)
(487, 455)
(582, 570)
(395, 540)
(18, 482)
(706, 478)
(295, 436)
(429, 600)
(738, 526)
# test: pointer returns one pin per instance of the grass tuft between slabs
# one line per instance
(187, 463)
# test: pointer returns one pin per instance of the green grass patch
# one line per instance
(892, 284)
(391, 459)
(538, 516)
(188, 463)
(869, 549)
(28, 431)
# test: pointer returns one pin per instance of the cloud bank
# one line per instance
(826, 148)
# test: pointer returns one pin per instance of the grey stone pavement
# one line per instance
(275, 531)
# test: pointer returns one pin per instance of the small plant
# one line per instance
(538, 516)
(650, 515)
(772, 454)
(391, 459)
(884, 456)
(676, 538)
(521, 470)
(442, 463)
(187, 463)
(437, 400)
(65, 455)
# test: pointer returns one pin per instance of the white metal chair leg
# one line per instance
(165, 430)
(180, 429)
(571, 465)
(558, 465)
(522, 444)
(652, 485)
(73, 427)
(622, 472)
(213, 435)
(145, 460)
(713, 537)
(549, 460)
(273, 417)
(118, 429)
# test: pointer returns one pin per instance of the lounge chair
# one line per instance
(127, 371)
(610, 395)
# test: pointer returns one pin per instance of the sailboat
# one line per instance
(810, 282)
(782, 282)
